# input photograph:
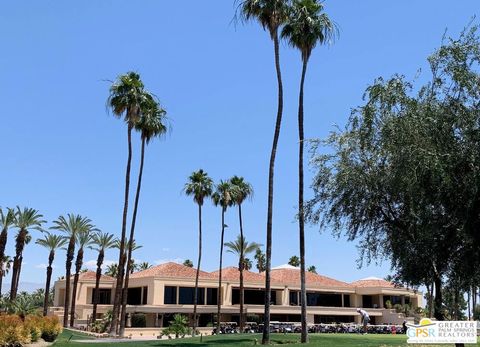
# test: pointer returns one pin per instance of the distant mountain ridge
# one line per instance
(28, 287)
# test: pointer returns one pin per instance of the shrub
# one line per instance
(51, 328)
(139, 320)
(388, 304)
(398, 308)
(13, 331)
(34, 325)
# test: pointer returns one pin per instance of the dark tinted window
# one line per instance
(185, 296)
(294, 298)
(170, 295)
(105, 296)
(134, 296)
(329, 300)
(346, 300)
(212, 295)
(252, 297)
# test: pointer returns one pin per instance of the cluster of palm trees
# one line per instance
(303, 24)
(225, 194)
(142, 112)
(77, 234)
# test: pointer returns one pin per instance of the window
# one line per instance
(145, 295)
(346, 300)
(105, 296)
(329, 300)
(170, 295)
(367, 301)
(294, 298)
(212, 296)
(186, 296)
(134, 296)
(253, 297)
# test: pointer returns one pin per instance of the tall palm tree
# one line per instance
(101, 242)
(200, 186)
(306, 27)
(71, 226)
(126, 95)
(7, 219)
(271, 14)
(241, 248)
(6, 265)
(84, 239)
(26, 219)
(151, 124)
(222, 197)
(51, 242)
(242, 191)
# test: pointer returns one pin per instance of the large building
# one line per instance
(167, 289)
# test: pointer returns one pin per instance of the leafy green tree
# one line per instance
(241, 248)
(312, 269)
(7, 220)
(260, 259)
(476, 312)
(188, 263)
(306, 27)
(23, 305)
(222, 197)
(247, 264)
(26, 219)
(270, 14)
(51, 242)
(241, 191)
(126, 96)
(84, 239)
(178, 326)
(200, 187)
(402, 177)
(151, 124)
(71, 225)
(294, 261)
(101, 242)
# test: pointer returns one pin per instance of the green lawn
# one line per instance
(324, 340)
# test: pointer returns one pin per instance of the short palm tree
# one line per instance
(101, 242)
(84, 239)
(112, 270)
(71, 226)
(7, 219)
(144, 266)
(151, 124)
(126, 96)
(200, 187)
(6, 265)
(306, 27)
(242, 190)
(271, 14)
(51, 242)
(26, 219)
(241, 248)
(223, 197)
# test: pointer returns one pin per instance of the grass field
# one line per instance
(324, 340)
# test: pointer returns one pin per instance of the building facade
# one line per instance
(167, 289)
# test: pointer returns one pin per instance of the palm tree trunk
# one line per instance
(2, 274)
(130, 244)
(195, 293)
(121, 257)
(219, 292)
(241, 267)
(17, 262)
(98, 275)
(271, 169)
(3, 244)
(301, 216)
(68, 274)
(47, 284)
(78, 267)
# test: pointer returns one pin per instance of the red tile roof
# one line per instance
(171, 269)
(293, 276)
(91, 275)
(232, 274)
(373, 282)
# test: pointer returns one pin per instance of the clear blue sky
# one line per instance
(62, 152)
